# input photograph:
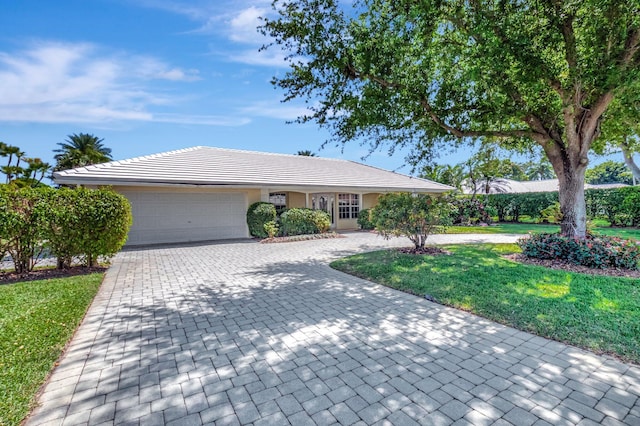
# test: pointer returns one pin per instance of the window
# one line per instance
(348, 206)
(279, 200)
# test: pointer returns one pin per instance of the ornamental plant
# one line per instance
(594, 252)
(415, 216)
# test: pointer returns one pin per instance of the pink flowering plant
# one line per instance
(596, 251)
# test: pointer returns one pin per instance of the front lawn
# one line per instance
(37, 318)
(598, 313)
(525, 228)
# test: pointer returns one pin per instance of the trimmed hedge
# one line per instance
(594, 252)
(258, 215)
(66, 222)
(620, 206)
(299, 221)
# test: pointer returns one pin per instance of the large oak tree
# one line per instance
(429, 73)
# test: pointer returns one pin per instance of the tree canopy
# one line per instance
(433, 74)
(15, 171)
(80, 150)
(609, 172)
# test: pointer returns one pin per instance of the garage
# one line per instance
(171, 216)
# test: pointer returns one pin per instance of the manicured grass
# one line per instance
(525, 228)
(599, 313)
(37, 318)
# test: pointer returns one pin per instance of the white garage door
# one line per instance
(172, 217)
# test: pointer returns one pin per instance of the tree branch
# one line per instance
(479, 133)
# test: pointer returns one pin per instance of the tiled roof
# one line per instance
(228, 167)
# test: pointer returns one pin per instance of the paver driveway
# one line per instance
(245, 333)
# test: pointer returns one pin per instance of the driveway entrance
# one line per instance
(242, 332)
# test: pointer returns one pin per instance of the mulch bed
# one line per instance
(45, 274)
(306, 237)
(565, 266)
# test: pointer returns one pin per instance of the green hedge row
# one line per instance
(620, 206)
(65, 223)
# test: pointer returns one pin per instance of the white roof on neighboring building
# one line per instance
(508, 186)
(207, 166)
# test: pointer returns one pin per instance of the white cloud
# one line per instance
(80, 83)
(243, 26)
(237, 21)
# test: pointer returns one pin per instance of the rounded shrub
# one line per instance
(594, 251)
(259, 214)
(300, 221)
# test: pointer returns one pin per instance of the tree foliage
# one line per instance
(414, 216)
(80, 150)
(429, 74)
(18, 175)
(609, 172)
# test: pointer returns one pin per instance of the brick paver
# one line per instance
(241, 332)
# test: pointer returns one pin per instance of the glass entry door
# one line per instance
(324, 202)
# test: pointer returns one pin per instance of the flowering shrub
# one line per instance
(594, 252)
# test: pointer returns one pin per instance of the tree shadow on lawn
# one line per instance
(293, 328)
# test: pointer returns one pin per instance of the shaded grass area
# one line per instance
(598, 313)
(37, 318)
(525, 228)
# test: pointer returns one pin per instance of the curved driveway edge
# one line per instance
(248, 333)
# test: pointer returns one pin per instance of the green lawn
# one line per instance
(525, 228)
(599, 313)
(37, 318)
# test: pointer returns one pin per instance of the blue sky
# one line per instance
(150, 76)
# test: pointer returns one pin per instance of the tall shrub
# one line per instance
(258, 214)
(364, 219)
(64, 225)
(106, 219)
(22, 224)
(412, 216)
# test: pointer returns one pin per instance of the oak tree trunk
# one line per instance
(570, 165)
(572, 203)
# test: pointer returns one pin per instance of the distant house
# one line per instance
(202, 193)
(508, 186)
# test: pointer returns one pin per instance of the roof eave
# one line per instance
(63, 180)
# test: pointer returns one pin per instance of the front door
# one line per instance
(324, 202)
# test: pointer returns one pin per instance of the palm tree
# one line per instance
(80, 150)
(10, 151)
(306, 153)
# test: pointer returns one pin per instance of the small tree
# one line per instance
(414, 216)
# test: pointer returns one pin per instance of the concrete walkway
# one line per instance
(241, 333)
